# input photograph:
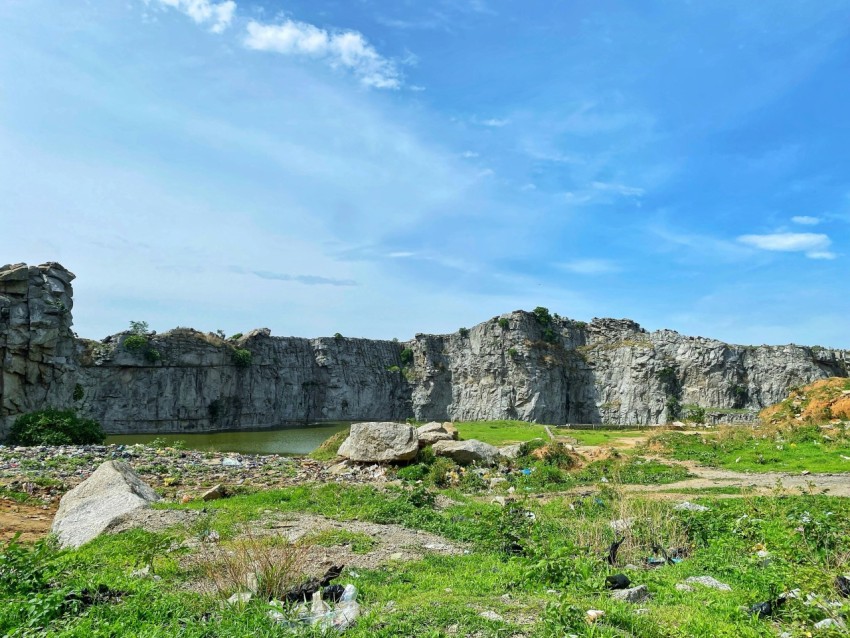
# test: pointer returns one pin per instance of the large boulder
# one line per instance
(466, 452)
(88, 510)
(432, 432)
(380, 442)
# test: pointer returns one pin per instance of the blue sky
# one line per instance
(383, 168)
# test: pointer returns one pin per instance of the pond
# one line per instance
(291, 440)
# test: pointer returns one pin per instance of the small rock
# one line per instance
(490, 615)
(691, 507)
(214, 493)
(396, 556)
(621, 524)
(829, 623)
(632, 595)
(229, 461)
(187, 498)
(708, 581)
(240, 598)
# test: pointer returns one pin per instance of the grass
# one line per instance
(359, 542)
(761, 449)
(540, 593)
(501, 432)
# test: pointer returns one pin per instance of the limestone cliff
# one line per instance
(528, 366)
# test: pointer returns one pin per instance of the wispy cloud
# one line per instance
(344, 49)
(806, 220)
(590, 266)
(814, 245)
(619, 189)
(492, 122)
(218, 15)
(307, 280)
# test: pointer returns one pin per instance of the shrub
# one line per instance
(542, 315)
(338, 336)
(674, 408)
(136, 343)
(237, 336)
(406, 356)
(55, 427)
(79, 393)
(695, 414)
(504, 324)
(512, 353)
(463, 332)
(242, 357)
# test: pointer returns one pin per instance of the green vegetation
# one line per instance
(761, 449)
(236, 337)
(500, 432)
(327, 451)
(694, 413)
(547, 555)
(600, 437)
(512, 353)
(55, 427)
(139, 343)
(463, 332)
(242, 357)
(79, 393)
(338, 336)
(504, 324)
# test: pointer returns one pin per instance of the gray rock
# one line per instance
(829, 623)
(632, 595)
(466, 452)
(379, 442)
(606, 371)
(491, 615)
(88, 510)
(708, 581)
(511, 451)
(429, 438)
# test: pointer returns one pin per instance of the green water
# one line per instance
(289, 440)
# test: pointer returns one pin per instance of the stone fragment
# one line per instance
(380, 442)
(632, 595)
(708, 581)
(214, 493)
(511, 451)
(88, 510)
(466, 452)
(490, 615)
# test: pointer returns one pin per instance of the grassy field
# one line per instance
(500, 432)
(540, 589)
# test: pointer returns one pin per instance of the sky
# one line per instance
(381, 168)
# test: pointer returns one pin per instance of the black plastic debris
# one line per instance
(842, 584)
(612, 551)
(333, 593)
(617, 581)
(305, 591)
(769, 607)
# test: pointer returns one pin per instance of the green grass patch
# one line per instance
(328, 450)
(500, 432)
(761, 450)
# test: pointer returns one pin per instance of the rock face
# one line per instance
(88, 510)
(466, 452)
(380, 442)
(521, 365)
(430, 433)
(37, 347)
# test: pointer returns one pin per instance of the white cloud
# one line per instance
(401, 255)
(590, 266)
(806, 220)
(346, 49)
(815, 245)
(620, 189)
(218, 14)
(470, 154)
(494, 122)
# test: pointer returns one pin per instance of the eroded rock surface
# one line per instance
(88, 510)
(517, 366)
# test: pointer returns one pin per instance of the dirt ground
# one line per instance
(33, 521)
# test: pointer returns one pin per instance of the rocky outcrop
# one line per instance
(380, 442)
(37, 347)
(466, 452)
(521, 365)
(112, 491)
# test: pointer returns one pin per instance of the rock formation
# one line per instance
(527, 366)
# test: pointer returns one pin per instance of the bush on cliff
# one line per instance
(55, 427)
